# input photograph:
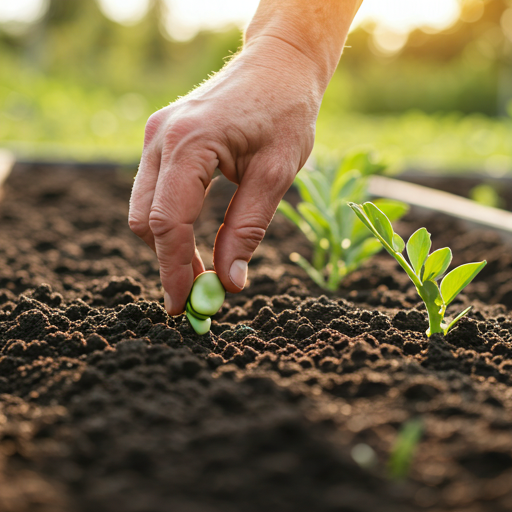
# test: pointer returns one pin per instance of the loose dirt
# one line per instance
(293, 402)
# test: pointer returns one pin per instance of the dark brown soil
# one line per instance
(107, 404)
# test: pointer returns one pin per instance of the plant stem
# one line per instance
(434, 319)
(318, 259)
(435, 312)
(335, 275)
(410, 272)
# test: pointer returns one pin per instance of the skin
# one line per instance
(255, 122)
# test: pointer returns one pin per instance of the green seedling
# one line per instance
(340, 242)
(404, 448)
(487, 195)
(424, 270)
(204, 301)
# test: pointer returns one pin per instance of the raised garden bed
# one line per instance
(107, 404)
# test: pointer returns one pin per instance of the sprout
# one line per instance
(340, 242)
(424, 270)
(204, 301)
(404, 448)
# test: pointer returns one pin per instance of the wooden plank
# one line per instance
(470, 212)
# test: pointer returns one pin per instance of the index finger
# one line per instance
(178, 199)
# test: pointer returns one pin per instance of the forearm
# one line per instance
(317, 29)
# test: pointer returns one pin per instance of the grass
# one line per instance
(46, 116)
(414, 139)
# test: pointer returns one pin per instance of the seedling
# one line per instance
(424, 270)
(204, 301)
(404, 448)
(340, 242)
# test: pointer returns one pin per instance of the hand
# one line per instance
(254, 121)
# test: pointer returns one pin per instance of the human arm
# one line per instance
(255, 121)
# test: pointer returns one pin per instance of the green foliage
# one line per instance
(340, 243)
(206, 298)
(404, 448)
(68, 81)
(486, 195)
(438, 142)
(423, 270)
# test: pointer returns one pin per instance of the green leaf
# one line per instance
(398, 243)
(456, 280)
(362, 252)
(289, 211)
(380, 222)
(360, 192)
(404, 448)
(418, 248)
(309, 191)
(311, 271)
(448, 328)
(344, 184)
(314, 218)
(302, 184)
(344, 220)
(322, 185)
(393, 210)
(430, 292)
(363, 161)
(358, 235)
(358, 210)
(436, 264)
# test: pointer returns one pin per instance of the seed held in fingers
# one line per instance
(206, 298)
(207, 294)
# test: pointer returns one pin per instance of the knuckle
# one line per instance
(249, 236)
(152, 127)
(159, 222)
(138, 226)
(183, 128)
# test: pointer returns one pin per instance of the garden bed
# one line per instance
(107, 404)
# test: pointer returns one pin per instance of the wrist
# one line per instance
(314, 32)
(284, 57)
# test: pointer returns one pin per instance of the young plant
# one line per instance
(424, 270)
(404, 448)
(340, 242)
(205, 299)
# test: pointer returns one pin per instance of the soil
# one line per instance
(293, 402)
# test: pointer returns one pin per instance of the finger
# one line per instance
(177, 202)
(197, 264)
(247, 218)
(141, 199)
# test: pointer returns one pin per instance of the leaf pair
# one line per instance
(424, 270)
(430, 268)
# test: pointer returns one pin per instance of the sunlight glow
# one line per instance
(22, 11)
(126, 12)
(406, 15)
(187, 17)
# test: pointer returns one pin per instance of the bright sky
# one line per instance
(186, 17)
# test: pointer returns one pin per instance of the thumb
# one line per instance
(249, 213)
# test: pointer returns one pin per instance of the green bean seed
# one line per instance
(200, 326)
(207, 294)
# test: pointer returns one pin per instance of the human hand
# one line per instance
(254, 121)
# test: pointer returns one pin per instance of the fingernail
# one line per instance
(167, 302)
(238, 273)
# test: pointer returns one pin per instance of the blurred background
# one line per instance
(426, 82)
